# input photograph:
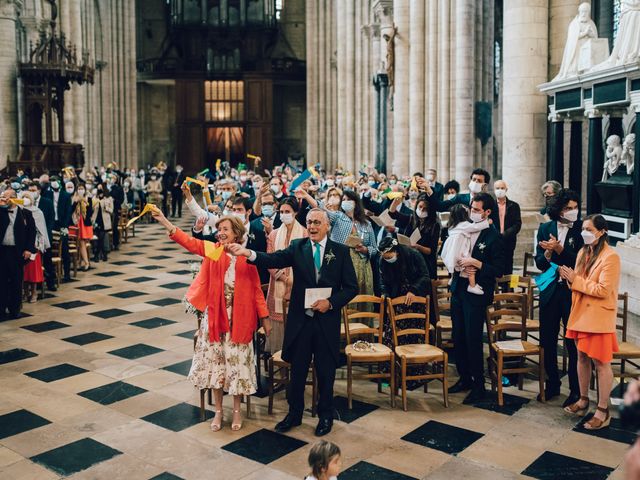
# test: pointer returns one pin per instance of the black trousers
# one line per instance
(114, 231)
(49, 269)
(66, 258)
(12, 268)
(101, 245)
(176, 202)
(468, 324)
(508, 261)
(311, 342)
(555, 310)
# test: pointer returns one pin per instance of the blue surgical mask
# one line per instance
(371, 183)
(348, 205)
(267, 210)
(226, 195)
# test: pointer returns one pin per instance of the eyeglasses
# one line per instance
(315, 223)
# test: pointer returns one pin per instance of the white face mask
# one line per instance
(330, 183)
(475, 187)
(475, 217)
(449, 196)
(26, 202)
(35, 196)
(81, 192)
(430, 178)
(348, 205)
(571, 215)
(239, 216)
(275, 189)
(243, 178)
(500, 192)
(69, 190)
(391, 259)
(588, 237)
(421, 213)
(334, 200)
(287, 218)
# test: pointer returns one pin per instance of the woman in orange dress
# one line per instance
(83, 205)
(592, 321)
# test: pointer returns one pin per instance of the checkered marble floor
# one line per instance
(93, 385)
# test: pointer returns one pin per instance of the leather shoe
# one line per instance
(287, 424)
(460, 386)
(571, 399)
(324, 427)
(477, 394)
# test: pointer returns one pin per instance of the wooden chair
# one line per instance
(377, 354)
(260, 343)
(56, 257)
(628, 351)
(532, 271)
(279, 373)
(510, 305)
(416, 353)
(123, 219)
(442, 272)
(74, 253)
(442, 298)
(524, 286)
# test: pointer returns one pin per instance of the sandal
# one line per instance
(215, 425)
(596, 423)
(576, 409)
(236, 426)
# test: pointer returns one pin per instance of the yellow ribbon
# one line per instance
(211, 251)
(394, 195)
(191, 180)
(414, 184)
(253, 157)
(513, 282)
(69, 171)
(17, 201)
(147, 209)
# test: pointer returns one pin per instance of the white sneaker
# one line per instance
(476, 290)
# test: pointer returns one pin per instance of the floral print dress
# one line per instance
(223, 364)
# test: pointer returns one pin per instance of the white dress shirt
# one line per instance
(9, 239)
(56, 196)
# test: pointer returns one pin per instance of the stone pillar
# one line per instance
(64, 25)
(636, 176)
(416, 87)
(561, 12)
(444, 92)
(401, 131)
(8, 84)
(347, 47)
(431, 87)
(556, 158)
(575, 156)
(77, 91)
(313, 55)
(595, 161)
(524, 139)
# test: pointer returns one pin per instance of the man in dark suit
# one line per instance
(176, 192)
(559, 242)
(468, 310)
(507, 219)
(312, 332)
(17, 244)
(46, 206)
(62, 209)
(480, 179)
(117, 193)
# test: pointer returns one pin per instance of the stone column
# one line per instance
(444, 92)
(131, 156)
(77, 91)
(416, 87)
(348, 47)
(636, 176)
(8, 84)
(575, 156)
(342, 81)
(313, 55)
(431, 87)
(64, 25)
(525, 33)
(595, 160)
(556, 149)
(561, 12)
(401, 132)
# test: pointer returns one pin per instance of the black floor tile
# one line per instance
(72, 304)
(110, 313)
(122, 263)
(14, 355)
(112, 392)
(141, 279)
(169, 249)
(178, 417)
(551, 465)
(362, 470)
(253, 446)
(616, 431)
(92, 288)
(163, 302)
(138, 350)
(87, 338)
(181, 368)
(166, 476)
(360, 409)
(154, 322)
(160, 257)
(132, 254)
(512, 403)
(45, 326)
(188, 335)
(181, 272)
(57, 372)
(150, 267)
(76, 456)
(20, 421)
(443, 437)
(175, 285)
(127, 294)
(108, 274)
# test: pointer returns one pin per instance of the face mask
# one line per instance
(55, 185)
(476, 217)
(26, 202)
(179, 170)
(421, 213)
(287, 218)
(390, 260)
(275, 189)
(81, 192)
(392, 182)
(338, 181)
(371, 183)
(243, 178)
(475, 187)
(239, 216)
(94, 192)
(267, 210)
(153, 177)
(35, 196)
(44, 185)
(348, 205)
(226, 212)
(16, 185)
(500, 192)
(571, 215)
(588, 237)
(141, 172)
(127, 184)
(226, 195)
(430, 178)
(450, 196)
(69, 190)
(330, 183)
(334, 200)
(413, 195)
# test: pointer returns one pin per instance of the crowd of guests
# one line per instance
(337, 234)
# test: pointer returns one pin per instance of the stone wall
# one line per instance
(156, 122)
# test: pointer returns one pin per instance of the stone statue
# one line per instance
(626, 49)
(581, 29)
(389, 35)
(628, 152)
(613, 154)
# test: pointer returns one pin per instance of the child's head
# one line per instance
(324, 459)
(459, 213)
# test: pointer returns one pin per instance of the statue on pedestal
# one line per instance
(626, 49)
(628, 152)
(581, 29)
(613, 155)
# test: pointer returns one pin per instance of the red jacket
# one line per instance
(207, 292)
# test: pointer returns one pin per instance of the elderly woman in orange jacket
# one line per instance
(227, 297)
(592, 322)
